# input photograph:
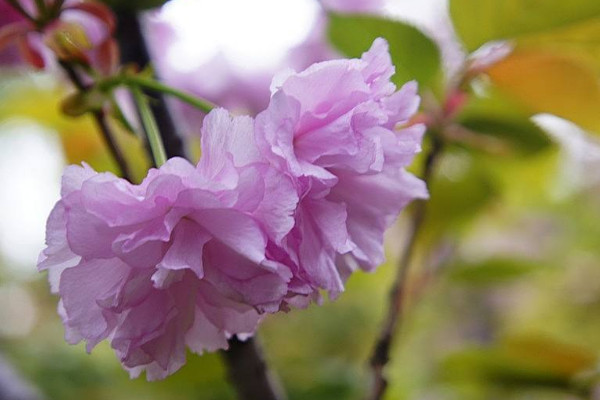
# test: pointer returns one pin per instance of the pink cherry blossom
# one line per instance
(179, 260)
(335, 128)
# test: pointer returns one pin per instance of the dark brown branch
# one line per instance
(392, 322)
(134, 50)
(102, 123)
(112, 145)
(248, 371)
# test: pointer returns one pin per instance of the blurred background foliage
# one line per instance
(504, 294)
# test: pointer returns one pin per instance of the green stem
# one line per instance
(151, 84)
(131, 81)
(150, 126)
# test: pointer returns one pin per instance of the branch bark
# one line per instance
(395, 312)
(249, 373)
(102, 124)
(134, 50)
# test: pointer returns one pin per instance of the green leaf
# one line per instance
(524, 361)
(493, 366)
(481, 21)
(495, 116)
(414, 54)
(492, 271)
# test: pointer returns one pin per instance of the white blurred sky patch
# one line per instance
(424, 12)
(255, 35)
(251, 34)
(31, 164)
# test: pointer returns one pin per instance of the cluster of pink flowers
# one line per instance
(277, 210)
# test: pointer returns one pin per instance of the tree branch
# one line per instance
(102, 123)
(249, 373)
(134, 50)
(395, 313)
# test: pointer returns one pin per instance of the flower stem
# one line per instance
(156, 86)
(150, 127)
(395, 313)
(201, 104)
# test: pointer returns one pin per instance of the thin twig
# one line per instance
(115, 150)
(101, 122)
(393, 320)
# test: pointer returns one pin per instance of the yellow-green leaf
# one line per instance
(522, 362)
(494, 271)
(544, 81)
(580, 41)
(481, 21)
